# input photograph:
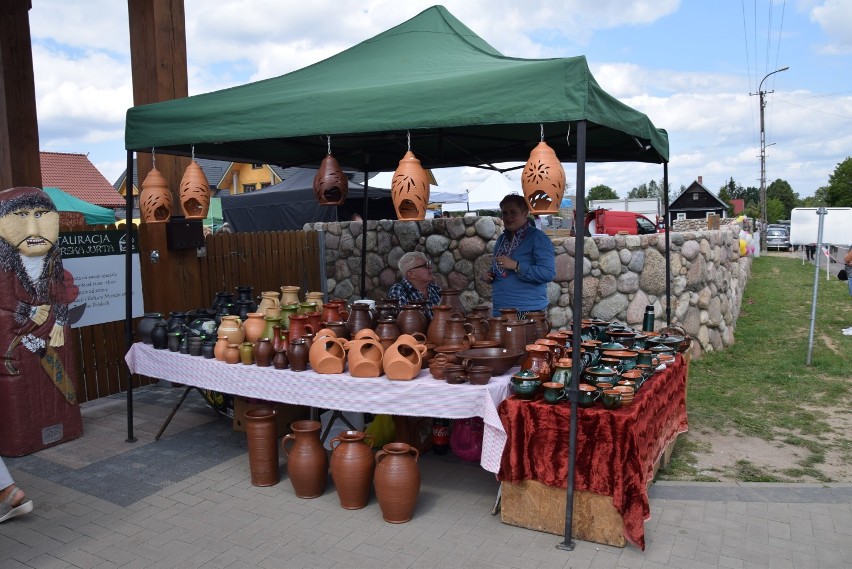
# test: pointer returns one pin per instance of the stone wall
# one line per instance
(621, 274)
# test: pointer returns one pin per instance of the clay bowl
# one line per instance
(485, 344)
(479, 375)
(498, 359)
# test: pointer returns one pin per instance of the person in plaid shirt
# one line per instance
(418, 282)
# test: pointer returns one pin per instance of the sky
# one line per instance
(694, 67)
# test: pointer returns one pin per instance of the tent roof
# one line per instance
(94, 214)
(463, 102)
(488, 194)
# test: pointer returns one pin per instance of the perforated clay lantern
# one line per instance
(155, 202)
(543, 180)
(410, 189)
(194, 192)
(330, 183)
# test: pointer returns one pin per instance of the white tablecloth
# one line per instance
(423, 396)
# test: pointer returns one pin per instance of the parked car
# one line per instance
(613, 222)
(777, 238)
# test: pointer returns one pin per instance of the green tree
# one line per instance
(839, 189)
(726, 193)
(650, 190)
(781, 190)
(775, 210)
(819, 198)
(602, 192)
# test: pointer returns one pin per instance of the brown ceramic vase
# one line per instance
(307, 461)
(262, 439)
(397, 481)
(352, 466)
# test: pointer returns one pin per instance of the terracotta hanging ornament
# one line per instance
(155, 202)
(194, 191)
(543, 180)
(410, 188)
(330, 183)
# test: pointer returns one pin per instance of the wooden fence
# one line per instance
(265, 261)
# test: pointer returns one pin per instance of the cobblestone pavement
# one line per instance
(186, 501)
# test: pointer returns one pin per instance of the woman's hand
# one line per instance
(504, 262)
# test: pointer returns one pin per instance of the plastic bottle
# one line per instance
(440, 436)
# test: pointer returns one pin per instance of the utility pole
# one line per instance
(763, 216)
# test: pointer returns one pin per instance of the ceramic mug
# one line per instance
(553, 392)
(588, 394)
(611, 399)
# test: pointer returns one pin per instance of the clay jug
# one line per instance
(482, 311)
(231, 327)
(403, 360)
(219, 349)
(538, 361)
(397, 481)
(540, 323)
(387, 308)
(297, 354)
(338, 327)
(515, 335)
(246, 355)
(160, 338)
(279, 360)
(232, 354)
(146, 326)
(495, 330)
(263, 352)
(441, 313)
(556, 350)
(352, 467)
(306, 307)
(307, 462)
(245, 293)
(508, 313)
(268, 299)
(315, 297)
(253, 326)
(479, 326)
(450, 297)
(331, 312)
(327, 355)
(177, 321)
(314, 320)
(458, 332)
(280, 341)
(262, 440)
(410, 320)
(288, 310)
(387, 331)
(269, 324)
(365, 358)
(155, 200)
(290, 294)
(299, 326)
(360, 317)
(244, 308)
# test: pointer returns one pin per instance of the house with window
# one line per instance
(696, 202)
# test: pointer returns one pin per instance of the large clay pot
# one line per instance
(232, 354)
(403, 360)
(411, 320)
(290, 294)
(450, 297)
(263, 352)
(262, 439)
(194, 192)
(387, 331)
(328, 355)
(514, 336)
(146, 326)
(540, 323)
(307, 462)
(352, 467)
(543, 180)
(314, 321)
(360, 317)
(253, 326)
(331, 312)
(299, 326)
(458, 332)
(387, 308)
(410, 189)
(495, 330)
(330, 183)
(441, 313)
(365, 358)
(268, 299)
(155, 201)
(397, 481)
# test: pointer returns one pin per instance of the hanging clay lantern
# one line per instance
(155, 202)
(543, 180)
(194, 192)
(410, 189)
(330, 183)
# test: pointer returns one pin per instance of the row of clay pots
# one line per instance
(366, 356)
(354, 470)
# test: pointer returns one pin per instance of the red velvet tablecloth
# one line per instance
(616, 450)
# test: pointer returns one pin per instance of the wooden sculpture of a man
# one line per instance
(38, 402)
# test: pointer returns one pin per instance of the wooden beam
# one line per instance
(19, 158)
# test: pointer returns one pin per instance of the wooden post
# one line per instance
(19, 158)
(158, 63)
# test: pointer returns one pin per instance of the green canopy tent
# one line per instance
(429, 84)
(94, 214)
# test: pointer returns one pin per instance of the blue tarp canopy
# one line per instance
(94, 214)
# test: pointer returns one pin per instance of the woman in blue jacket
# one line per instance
(523, 263)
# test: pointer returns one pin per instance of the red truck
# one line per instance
(611, 222)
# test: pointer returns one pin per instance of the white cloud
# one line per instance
(835, 18)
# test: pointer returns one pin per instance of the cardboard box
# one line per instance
(285, 414)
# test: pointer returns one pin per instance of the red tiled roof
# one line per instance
(75, 175)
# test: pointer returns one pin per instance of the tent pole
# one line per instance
(577, 317)
(668, 245)
(128, 285)
(364, 237)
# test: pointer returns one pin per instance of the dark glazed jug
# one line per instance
(411, 320)
(297, 354)
(359, 318)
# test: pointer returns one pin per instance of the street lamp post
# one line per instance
(763, 216)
